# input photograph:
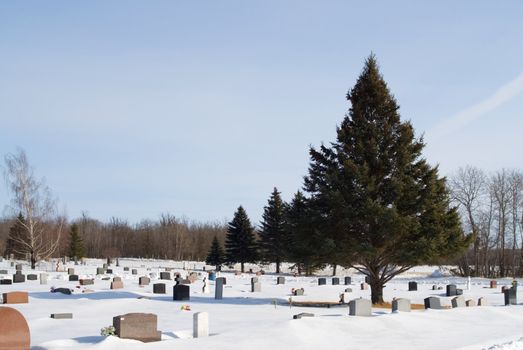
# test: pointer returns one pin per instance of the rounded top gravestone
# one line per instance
(14, 331)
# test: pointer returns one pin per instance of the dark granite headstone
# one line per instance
(66, 291)
(218, 288)
(348, 280)
(451, 290)
(367, 279)
(32, 277)
(322, 281)
(109, 270)
(73, 278)
(413, 286)
(459, 291)
(100, 270)
(126, 268)
(280, 280)
(181, 292)
(159, 288)
(134, 271)
(6, 281)
(3, 272)
(335, 281)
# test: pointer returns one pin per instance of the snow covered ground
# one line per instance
(245, 320)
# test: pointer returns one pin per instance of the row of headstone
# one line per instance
(322, 281)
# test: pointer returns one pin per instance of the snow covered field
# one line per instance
(245, 320)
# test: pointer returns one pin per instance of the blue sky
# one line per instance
(136, 108)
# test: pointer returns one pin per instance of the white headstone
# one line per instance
(43, 278)
(200, 324)
(468, 283)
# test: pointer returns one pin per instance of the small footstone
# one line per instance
(32, 277)
(62, 316)
(303, 314)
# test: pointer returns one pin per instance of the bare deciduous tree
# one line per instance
(32, 198)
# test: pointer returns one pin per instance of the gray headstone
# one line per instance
(459, 291)
(511, 296)
(413, 286)
(109, 270)
(181, 292)
(43, 278)
(401, 304)
(134, 271)
(280, 280)
(104, 266)
(218, 288)
(458, 301)
(433, 303)
(70, 271)
(348, 280)
(360, 307)
(159, 288)
(256, 287)
(32, 277)
(100, 270)
(117, 279)
(335, 281)
(126, 268)
(62, 316)
(482, 301)
(144, 281)
(451, 290)
(3, 272)
(165, 275)
(6, 281)
(18, 267)
(200, 325)
(302, 314)
(298, 292)
(322, 281)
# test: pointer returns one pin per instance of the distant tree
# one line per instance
(76, 244)
(390, 208)
(273, 238)
(33, 199)
(16, 240)
(240, 242)
(306, 247)
(216, 254)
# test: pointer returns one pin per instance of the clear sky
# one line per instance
(136, 108)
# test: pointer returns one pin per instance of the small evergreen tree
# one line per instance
(216, 255)
(273, 238)
(240, 242)
(76, 245)
(383, 205)
(15, 240)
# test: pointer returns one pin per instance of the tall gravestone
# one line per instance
(14, 330)
(218, 288)
(511, 296)
(18, 277)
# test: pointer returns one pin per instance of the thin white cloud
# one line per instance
(474, 112)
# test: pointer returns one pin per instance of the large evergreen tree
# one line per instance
(76, 245)
(389, 207)
(273, 238)
(240, 243)
(216, 255)
(16, 240)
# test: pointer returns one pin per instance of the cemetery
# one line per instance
(138, 306)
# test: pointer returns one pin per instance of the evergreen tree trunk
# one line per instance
(376, 288)
(277, 267)
(243, 267)
(334, 266)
